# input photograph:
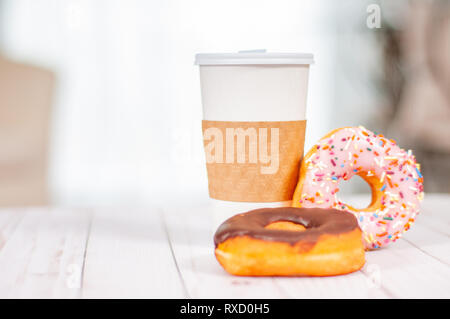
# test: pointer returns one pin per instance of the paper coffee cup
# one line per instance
(254, 107)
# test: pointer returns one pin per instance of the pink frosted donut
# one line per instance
(391, 172)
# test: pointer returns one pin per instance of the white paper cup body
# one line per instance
(252, 92)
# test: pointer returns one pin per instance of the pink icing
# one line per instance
(356, 150)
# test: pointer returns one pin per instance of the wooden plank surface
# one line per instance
(129, 256)
(191, 238)
(150, 253)
(415, 266)
(42, 256)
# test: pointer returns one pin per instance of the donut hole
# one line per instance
(355, 185)
(285, 225)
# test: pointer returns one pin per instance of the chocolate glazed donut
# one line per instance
(329, 243)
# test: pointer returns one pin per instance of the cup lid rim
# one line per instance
(253, 57)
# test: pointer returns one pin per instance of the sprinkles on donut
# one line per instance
(392, 173)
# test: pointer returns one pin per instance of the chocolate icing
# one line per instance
(317, 221)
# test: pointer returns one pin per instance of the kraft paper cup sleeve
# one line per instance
(269, 179)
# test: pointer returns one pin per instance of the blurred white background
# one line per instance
(127, 117)
(126, 121)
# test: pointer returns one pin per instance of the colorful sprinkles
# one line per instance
(357, 151)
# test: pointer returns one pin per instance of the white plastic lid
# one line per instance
(253, 57)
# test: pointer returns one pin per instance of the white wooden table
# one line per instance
(168, 253)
